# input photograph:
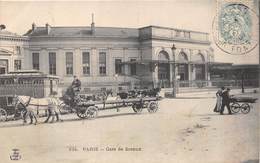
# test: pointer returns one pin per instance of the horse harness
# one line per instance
(27, 104)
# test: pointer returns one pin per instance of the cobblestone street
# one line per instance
(184, 129)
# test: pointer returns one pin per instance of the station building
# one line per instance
(110, 57)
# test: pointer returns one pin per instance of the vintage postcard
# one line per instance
(159, 81)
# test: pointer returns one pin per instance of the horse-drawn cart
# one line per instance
(85, 108)
(243, 104)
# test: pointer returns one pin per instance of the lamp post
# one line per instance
(116, 77)
(174, 73)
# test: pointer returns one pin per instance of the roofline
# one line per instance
(186, 30)
(87, 27)
(150, 26)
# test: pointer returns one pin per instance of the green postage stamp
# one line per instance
(235, 26)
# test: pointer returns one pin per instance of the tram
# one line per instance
(24, 82)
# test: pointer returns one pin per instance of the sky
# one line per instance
(198, 15)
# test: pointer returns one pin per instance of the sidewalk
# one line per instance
(211, 93)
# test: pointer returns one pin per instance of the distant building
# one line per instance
(108, 57)
(235, 75)
(11, 51)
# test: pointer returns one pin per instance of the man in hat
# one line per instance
(225, 101)
(76, 84)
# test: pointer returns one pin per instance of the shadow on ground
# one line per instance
(19, 123)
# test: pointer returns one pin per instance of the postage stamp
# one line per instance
(235, 27)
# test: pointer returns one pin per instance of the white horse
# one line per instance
(32, 106)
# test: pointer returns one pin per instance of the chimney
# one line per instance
(33, 27)
(2, 27)
(93, 25)
(48, 28)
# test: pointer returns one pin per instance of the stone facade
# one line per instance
(142, 57)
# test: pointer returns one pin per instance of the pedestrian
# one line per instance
(76, 84)
(219, 99)
(225, 101)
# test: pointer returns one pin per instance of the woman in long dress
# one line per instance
(219, 99)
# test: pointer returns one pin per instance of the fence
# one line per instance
(206, 83)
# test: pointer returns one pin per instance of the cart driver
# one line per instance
(76, 84)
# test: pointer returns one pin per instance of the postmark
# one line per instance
(235, 27)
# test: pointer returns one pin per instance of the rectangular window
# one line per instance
(86, 63)
(133, 67)
(69, 63)
(52, 63)
(102, 63)
(178, 33)
(17, 65)
(35, 61)
(9, 101)
(18, 50)
(118, 66)
(187, 34)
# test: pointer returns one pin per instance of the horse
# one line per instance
(32, 106)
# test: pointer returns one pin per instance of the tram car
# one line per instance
(24, 82)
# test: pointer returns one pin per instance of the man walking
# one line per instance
(225, 101)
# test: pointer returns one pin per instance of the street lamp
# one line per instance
(116, 76)
(174, 73)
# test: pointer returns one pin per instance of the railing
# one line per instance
(203, 83)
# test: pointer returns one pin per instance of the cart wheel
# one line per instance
(152, 107)
(245, 108)
(82, 112)
(235, 107)
(3, 115)
(92, 112)
(137, 107)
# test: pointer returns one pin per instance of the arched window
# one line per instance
(163, 56)
(199, 58)
(182, 57)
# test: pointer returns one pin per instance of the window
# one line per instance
(133, 67)
(187, 34)
(118, 66)
(35, 61)
(52, 63)
(86, 63)
(102, 63)
(18, 50)
(9, 101)
(17, 65)
(178, 33)
(69, 63)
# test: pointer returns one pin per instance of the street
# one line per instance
(183, 130)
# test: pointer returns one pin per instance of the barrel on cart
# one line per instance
(243, 104)
(88, 108)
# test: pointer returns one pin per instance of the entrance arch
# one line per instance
(163, 69)
(199, 66)
(183, 69)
